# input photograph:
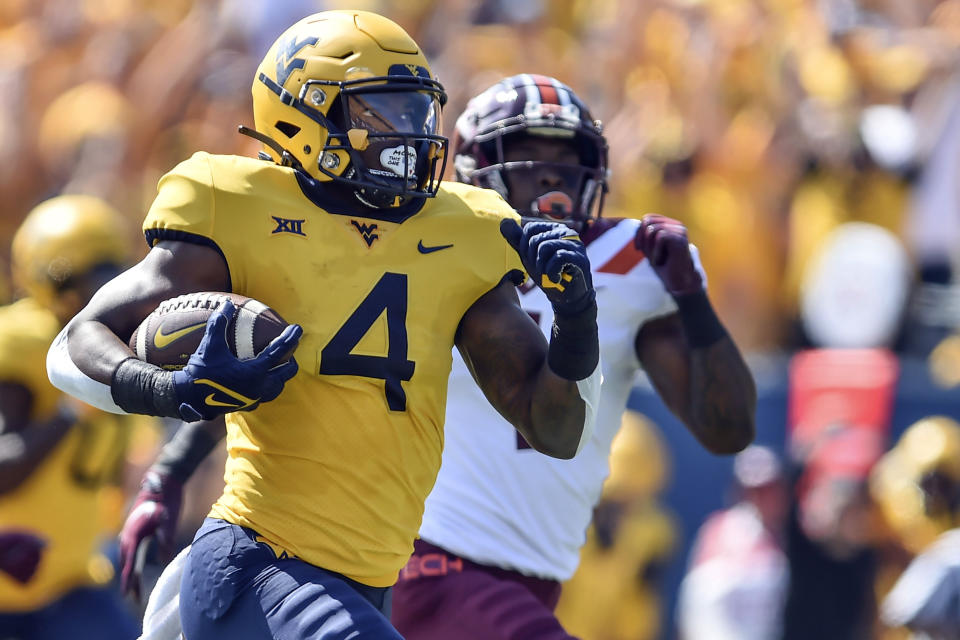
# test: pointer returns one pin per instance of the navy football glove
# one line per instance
(556, 261)
(216, 382)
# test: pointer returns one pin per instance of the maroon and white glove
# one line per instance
(153, 516)
(20, 554)
(664, 241)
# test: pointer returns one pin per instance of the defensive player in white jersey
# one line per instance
(503, 525)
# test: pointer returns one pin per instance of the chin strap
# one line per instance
(287, 159)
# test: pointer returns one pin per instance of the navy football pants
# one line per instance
(234, 587)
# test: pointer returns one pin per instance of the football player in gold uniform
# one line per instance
(54, 465)
(343, 226)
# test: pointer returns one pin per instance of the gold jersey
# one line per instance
(335, 471)
(64, 500)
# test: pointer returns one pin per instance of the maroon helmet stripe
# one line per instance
(548, 93)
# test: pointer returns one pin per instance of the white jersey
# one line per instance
(497, 501)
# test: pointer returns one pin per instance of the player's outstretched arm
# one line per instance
(91, 360)
(548, 392)
(690, 359)
(156, 508)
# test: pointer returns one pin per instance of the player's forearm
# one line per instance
(22, 451)
(85, 358)
(564, 403)
(95, 349)
(553, 414)
(566, 391)
(557, 416)
(89, 361)
(722, 397)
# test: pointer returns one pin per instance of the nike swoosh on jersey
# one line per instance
(424, 249)
(161, 339)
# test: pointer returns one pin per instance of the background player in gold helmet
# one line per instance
(917, 483)
(346, 229)
(54, 464)
(917, 487)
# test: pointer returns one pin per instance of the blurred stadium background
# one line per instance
(812, 147)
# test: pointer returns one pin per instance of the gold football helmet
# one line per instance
(63, 239)
(917, 483)
(347, 96)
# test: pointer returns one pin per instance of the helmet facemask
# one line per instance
(389, 129)
(576, 189)
(531, 130)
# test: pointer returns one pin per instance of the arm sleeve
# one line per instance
(66, 376)
(589, 390)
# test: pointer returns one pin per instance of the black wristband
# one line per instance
(574, 347)
(700, 323)
(140, 387)
(180, 457)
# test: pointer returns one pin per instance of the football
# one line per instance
(173, 331)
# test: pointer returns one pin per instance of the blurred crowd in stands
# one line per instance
(762, 124)
(812, 147)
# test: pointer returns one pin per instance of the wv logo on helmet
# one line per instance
(285, 51)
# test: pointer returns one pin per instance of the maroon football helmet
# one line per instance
(534, 108)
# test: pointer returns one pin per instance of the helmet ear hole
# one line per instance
(287, 128)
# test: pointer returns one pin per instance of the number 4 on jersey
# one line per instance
(390, 296)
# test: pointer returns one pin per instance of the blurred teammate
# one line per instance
(917, 487)
(917, 483)
(503, 525)
(54, 464)
(345, 227)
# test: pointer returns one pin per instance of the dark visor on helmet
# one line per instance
(412, 112)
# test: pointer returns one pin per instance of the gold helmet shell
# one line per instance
(348, 96)
(63, 238)
(929, 446)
